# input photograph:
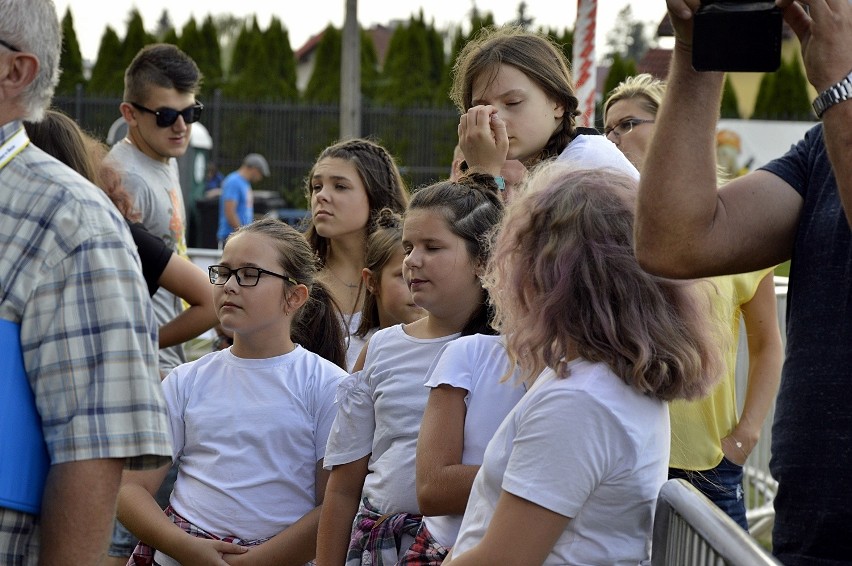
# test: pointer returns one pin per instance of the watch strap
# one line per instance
(838, 92)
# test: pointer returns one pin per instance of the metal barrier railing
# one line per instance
(690, 530)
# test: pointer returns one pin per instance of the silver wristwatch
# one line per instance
(837, 92)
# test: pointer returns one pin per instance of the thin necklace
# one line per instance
(348, 285)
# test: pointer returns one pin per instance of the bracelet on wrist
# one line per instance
(501, 182)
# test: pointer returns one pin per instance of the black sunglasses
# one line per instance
(168, 116)
(9, 46)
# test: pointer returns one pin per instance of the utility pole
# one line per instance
(350, 74)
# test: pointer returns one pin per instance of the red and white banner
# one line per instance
(583, 61)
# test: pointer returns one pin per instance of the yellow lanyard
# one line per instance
(13, 146)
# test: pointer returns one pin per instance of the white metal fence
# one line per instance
(689, 530)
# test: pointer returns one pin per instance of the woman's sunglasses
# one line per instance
(168, 116)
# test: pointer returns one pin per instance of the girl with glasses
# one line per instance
(249, 423)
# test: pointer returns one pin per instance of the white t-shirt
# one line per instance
(248, 434)
(379, 413)
(594, 152)
(588, 447)
(476, 364)
(354, 343)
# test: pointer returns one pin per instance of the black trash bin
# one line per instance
(267, 203)
(208, 221)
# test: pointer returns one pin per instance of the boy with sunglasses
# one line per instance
(160, 86)
(159, 107)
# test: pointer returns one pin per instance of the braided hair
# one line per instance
(472, 208)
(537, 56)
(380, 175)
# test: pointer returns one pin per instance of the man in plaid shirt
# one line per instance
(70, 281)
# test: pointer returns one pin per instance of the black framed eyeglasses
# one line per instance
(246, 276)
(625, 127)
(168, 116)
(9, 46)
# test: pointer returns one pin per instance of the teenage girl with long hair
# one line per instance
(573, 472)
(514, 90)
(350, 182)
(372, 447)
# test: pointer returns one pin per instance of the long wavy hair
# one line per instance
(564, 283)
(535, 55)
(60, 136)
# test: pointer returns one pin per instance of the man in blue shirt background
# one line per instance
(236, 205)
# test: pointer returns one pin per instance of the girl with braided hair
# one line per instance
(348, 185)
(514, 90)
(387, 300)
(371, 448)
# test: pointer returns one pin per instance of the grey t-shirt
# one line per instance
(157, 196)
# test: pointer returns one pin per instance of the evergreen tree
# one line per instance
(730, 107)
(210, 36)
(783, 94)
(108, 73)
(165, 28)
(324, 85)
(228, 28)
(171, 36)
(243, 45)
(196, 44)
(136, 37)
(192, 44)
(259, 78)
(799, 103)
(411, 73)
(618, 71)
(281, 61)
(522, 20)
(369, 67)
(628, 37)
(71, 61)
(764, 96)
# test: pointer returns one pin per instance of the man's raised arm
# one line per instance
(684, 226)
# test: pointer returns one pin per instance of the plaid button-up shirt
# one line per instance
(70, 276)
